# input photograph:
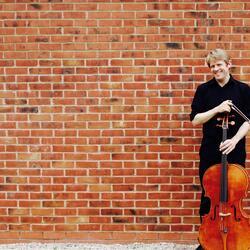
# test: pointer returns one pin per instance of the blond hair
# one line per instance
(217, 54)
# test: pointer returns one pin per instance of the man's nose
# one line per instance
(216, 68)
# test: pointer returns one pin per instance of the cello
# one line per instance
(226, 226)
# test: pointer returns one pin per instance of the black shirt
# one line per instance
(209, 95)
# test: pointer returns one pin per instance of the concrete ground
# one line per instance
(83, 246)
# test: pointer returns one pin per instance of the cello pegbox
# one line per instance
(225, 120)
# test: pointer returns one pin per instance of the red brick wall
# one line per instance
(95, 137)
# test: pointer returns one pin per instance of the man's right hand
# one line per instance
(224, 106)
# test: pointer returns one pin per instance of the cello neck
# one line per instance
(224, 181)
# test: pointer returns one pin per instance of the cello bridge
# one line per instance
(224, 214)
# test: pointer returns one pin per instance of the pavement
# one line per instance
(83, 246)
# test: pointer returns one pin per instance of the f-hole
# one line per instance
(235, 213)
(215, 209)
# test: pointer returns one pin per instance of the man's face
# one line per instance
(220, 69)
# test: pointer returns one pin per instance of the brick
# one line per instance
(65, 228)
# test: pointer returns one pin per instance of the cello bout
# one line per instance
(226, 226)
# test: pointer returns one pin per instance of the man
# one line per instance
(211, 100)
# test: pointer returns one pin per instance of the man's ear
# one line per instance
(229, 64)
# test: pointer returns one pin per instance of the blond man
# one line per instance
(211, 100)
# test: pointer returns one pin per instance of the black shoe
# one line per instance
(199, 248)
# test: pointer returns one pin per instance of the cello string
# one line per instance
(240, 113)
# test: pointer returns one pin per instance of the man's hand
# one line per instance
(228, 146)
(224, 106)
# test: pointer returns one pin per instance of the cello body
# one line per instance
(226, 226)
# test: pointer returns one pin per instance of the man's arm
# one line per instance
(201, 118)
(228, 145)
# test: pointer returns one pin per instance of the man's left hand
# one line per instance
(227, 146)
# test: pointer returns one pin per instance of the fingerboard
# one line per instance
(223, 182)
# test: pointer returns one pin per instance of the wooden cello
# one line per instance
(226, 226)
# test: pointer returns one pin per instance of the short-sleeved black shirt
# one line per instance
(209, 95)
